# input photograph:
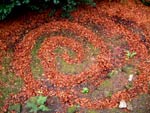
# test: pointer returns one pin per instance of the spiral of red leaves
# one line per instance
(22, 60)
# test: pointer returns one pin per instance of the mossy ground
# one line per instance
(140, 104)
(67, 68)
(62, 65)
(9, 82)
(36, 67)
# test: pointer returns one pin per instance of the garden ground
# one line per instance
(97, 49)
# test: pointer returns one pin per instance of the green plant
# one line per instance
(67, 6)
(85, 90)
(6, 6)
(130, 54)
(37, 103)
(146, 2)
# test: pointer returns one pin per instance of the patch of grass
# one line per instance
(36, 66)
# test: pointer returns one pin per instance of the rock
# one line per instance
(130, 77)
(129, 106)
(122, 104)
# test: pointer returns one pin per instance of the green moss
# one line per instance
(67, 68)
(75, 68)
(61, 50)
(62, 65)
(115, 110)
(10, 83)
(108, 93)
(93, 51)
(72, 109)
(71, 53)
(36, 66)
(106, 84)
(92, 111)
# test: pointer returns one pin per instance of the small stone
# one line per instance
(92, 58)
(129, 106)
(122, 104)
(130, 77)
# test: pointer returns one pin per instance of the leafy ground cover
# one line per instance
(82, 64)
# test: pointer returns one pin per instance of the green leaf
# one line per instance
(133, 54)
(43, 108)
(41, 100)
(34, 110)
(56, 1)
(17, 3)
(85, 90)
(31, 105)
(25, 1)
